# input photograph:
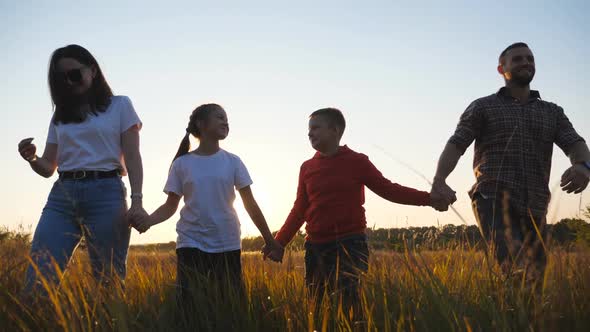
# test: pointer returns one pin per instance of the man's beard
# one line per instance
(522, 80)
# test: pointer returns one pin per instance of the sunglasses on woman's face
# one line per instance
(72, 75)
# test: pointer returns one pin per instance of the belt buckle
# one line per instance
(76, 177)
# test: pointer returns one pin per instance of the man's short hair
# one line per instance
(333, 116)
(513, 46)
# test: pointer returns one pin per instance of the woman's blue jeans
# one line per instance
(91, 208)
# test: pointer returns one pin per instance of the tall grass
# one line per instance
(428, 291)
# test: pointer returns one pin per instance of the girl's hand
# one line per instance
(142, 222)
(273, 250)
(136, 212)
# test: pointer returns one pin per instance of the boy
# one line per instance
(330, 198)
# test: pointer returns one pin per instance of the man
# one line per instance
(514, 131)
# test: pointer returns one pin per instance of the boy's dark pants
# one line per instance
(514, 236)
(218, 274)
(336, 267)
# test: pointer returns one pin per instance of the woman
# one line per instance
(93, 141)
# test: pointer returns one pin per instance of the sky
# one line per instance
(401, 72)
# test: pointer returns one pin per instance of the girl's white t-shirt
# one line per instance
(208, 220)
(95, 143)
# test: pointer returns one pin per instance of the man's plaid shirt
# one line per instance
(513, 147)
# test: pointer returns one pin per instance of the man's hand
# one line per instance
(575, 179)
(441, 195)
(438, 202)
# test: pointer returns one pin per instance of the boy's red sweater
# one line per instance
(330, 196)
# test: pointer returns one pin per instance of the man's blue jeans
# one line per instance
(91, 208)
(517, 240)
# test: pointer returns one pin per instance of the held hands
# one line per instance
(27, 149)
(138, 217)
(273, 250)
(142, 223)
(441, 195)
(575, 179)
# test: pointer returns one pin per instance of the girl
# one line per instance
(208, 242)
(90, 134)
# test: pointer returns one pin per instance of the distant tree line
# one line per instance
(569, 233)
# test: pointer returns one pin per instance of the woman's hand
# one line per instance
(27, 149)
(45, 165)
(141, 221)
(136, 213)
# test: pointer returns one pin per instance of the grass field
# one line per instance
(454, 290)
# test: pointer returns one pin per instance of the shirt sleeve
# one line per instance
(392, 192)
(469, 127)
(174, 182)
(566, 135)
(296, 217)
(129, 117)
(52, 133)
(241, 176)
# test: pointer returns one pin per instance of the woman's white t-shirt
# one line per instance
(95, 143)
(208, 220)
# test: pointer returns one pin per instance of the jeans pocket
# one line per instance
(61, 189)
(108, 189)
(123, 188)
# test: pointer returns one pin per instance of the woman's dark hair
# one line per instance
(200, 114)
(66, 107)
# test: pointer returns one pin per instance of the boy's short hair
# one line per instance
(333, 116)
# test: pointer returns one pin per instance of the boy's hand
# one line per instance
(438, 203)
(274, 251)
(441, 196)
